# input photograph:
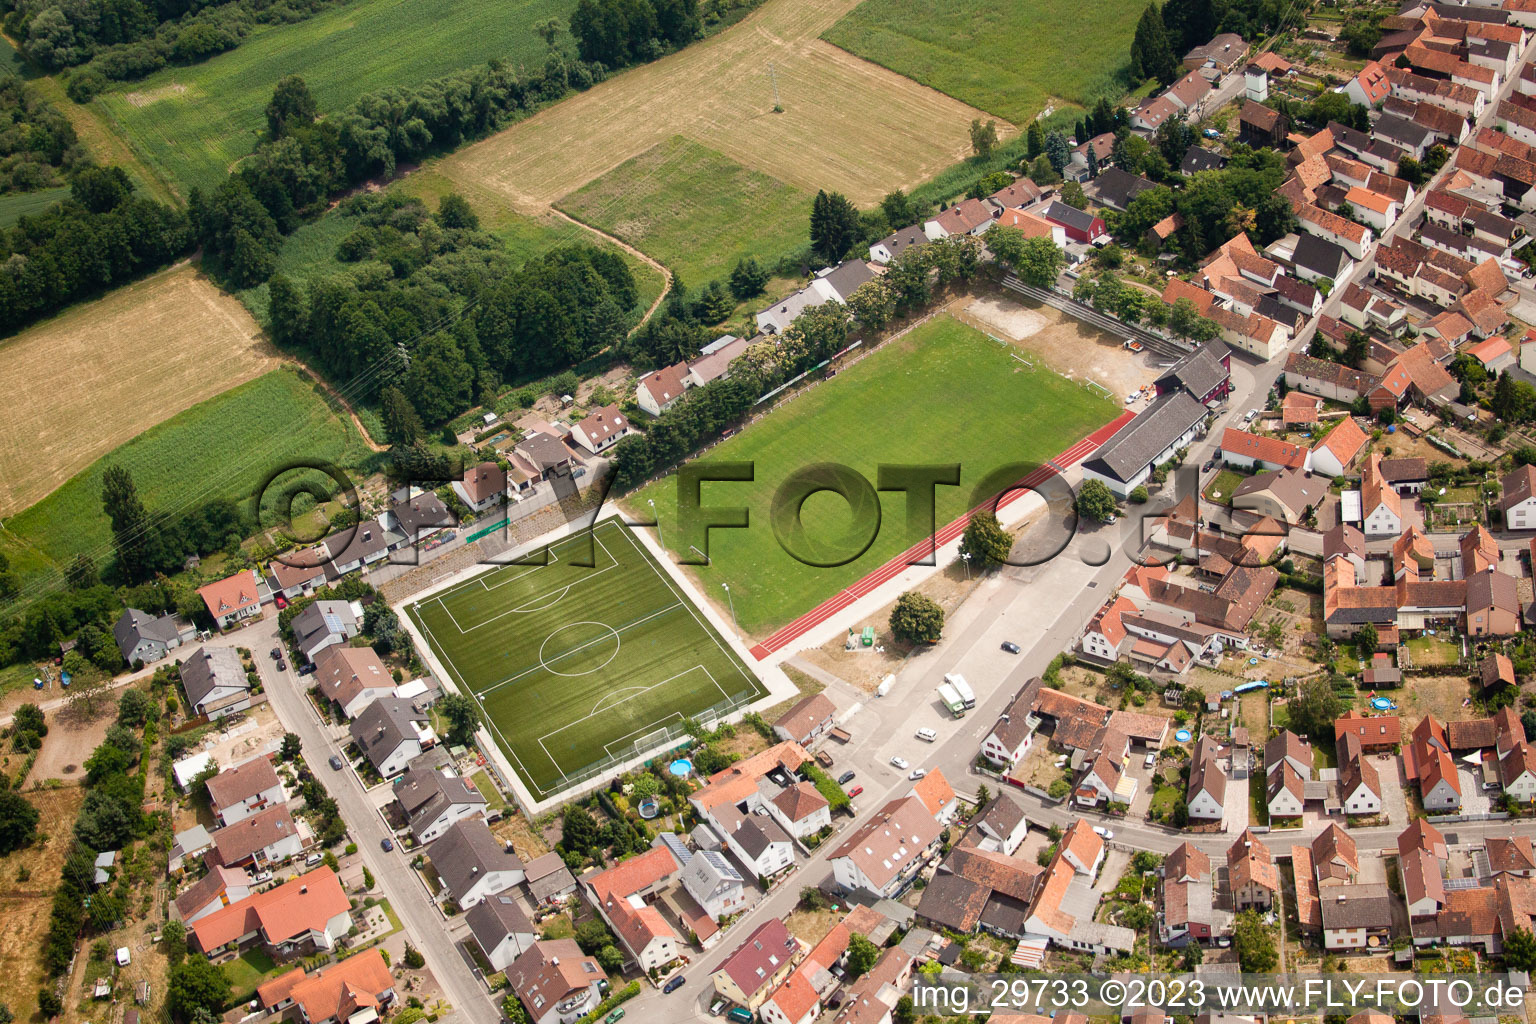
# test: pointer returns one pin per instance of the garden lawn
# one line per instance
(694, 210)
(1222, 485)
(1005, 57)
(224, 447)
(942, 393)
(192, 124)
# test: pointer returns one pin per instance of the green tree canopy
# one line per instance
(916, 619)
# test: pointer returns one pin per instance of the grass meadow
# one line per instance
(224, 447)
(941, 393)
(15, 205)
(573, 663)
(694, 209)
(1008, 58)
(192, 124)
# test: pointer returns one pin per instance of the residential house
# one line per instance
(262, 839)
(1218, 57)
(1260, 126)
(1115, 188)
(1360, 789)
(1286, 496)
(352, 678)
(1251, 873)
(216, 890)
(239, 792)
(1355, 916)
(1381, 508)
(548, 880)
(1335, 453)
(1335, 857)
(883, 856)
(306, 913)
(391, 732)
(934, 791)
(1248, 450)
(806, 720)
(297, 573)
(1369, 87)
(324, 624)
(800, 809)
(233, 598)
(896, 243)
(435, 798)
(501, 929)
(1326, 378)
(482, 487)
(1518, 501)
(143, 638)
(1000, 826)
(215, 682)
(1188, 912)
(714, 884)
(416, 516)
(1427, 760)
(1207, 790)
(601, 429)
(1421, 850)
(1079, 225)
(556, 982)
(1318, 258)
(472, 863)
(715, 360)
(357, 990)
(1511, 855)
(755, 968)
(619, 893)
(1377, 734)
(968, 217)
(661, 389)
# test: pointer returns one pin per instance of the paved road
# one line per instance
(423, 925)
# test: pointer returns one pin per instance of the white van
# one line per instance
(927, 735)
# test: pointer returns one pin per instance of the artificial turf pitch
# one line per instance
(571, 664)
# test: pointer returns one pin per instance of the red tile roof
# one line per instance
(286, 912)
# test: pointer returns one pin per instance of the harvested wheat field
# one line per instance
(25, 901)
(847, 124)
(103, 372)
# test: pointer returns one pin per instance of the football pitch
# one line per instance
(588, 659)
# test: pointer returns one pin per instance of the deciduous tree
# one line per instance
(916, 619)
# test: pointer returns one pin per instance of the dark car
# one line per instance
(845, 778)
(277, 654)
(673, 985)
(306, 668)
(386, 844)
(1010, 647)
(335, 763)
(282, 666)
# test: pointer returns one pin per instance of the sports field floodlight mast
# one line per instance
(654, 515)
(732, 601)
(966, 558)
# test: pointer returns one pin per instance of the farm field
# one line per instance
(191, 124)
(311, 250)
(223, 447)
(24, 905)
(143, 352)
(847, 124)
(970, 49)
(694, 209)
(15, 205)
(573, 665)
(916, 400)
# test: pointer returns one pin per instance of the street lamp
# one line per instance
(651, 503)
(966, 558)
(732, 601)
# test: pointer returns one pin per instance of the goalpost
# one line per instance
(651, 740)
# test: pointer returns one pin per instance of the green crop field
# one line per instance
(1005, 57)
(942, 393)
(694, 209)
(15, 205)
(224, 447)
(576, 665)
(193, 123)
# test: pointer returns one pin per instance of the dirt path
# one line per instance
(333, 393)
(666, 275)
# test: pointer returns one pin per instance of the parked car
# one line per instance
(673, 985)
(1149, 761)
(717, 1007)
(845, 778)
(617, 1014)
(855, 791)
(335, 763)
(280, 601)
(1010, 647)
(282, 666)
(1102, 832)
(927, 735)
(917, 773)
(899, 762)
(306, 668)
(1248, 417)
(739, 1015)
(386, 844)
(277, 654)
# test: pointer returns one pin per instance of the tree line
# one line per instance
(1164, 35)
(38, 145)
(618, 33)
(102, 236)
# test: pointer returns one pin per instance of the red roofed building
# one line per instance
(757, 966)
(233, 599)
(602, 429)
(936, 794)
(1105, 632)
(1241, 448)
(662, 389)
(555, 981)
(1377, 733)
(308, 913)
(358, 989)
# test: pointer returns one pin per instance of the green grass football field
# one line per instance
(970, 49)
(573, 664)
(942, 393)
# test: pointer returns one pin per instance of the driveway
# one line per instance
(1394, 796)
(1474, 798)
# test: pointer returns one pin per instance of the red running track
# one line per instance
(923, 549)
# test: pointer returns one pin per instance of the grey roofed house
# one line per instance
(361, 543)
(898, 242)
(494, 918)
(1357, 906)
(756, 833)
(1279, 312)
(1402, 131)
(1296, 489)
(1471, 12)
(545, 451)
(425, 511)
(1320, 256)
(383, 726)
(1069, 216)
(846, 277)
(425, 793)
(548, 878)
(1199, 373)
(1116, 188)
(779, 316)
(999, 818)
(1135, 445)
(1197, 159)
(468, 852)
(188, 843)
(324, 623)
(144, 637)
(212, 669)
